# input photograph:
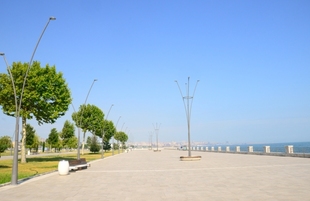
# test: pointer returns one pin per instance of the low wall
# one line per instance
(289, 151)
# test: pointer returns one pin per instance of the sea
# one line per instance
(298, 147)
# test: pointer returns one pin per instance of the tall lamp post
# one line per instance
(14, 88)
(113, 136)
(14, 178)
(103, 130)
(156, 128)
(188, 108)
(79, 126)
(151, 139)
(117, 140)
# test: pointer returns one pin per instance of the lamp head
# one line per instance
(95, 80)
(1, 53)
(52, 18)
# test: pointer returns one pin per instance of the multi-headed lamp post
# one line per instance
(151, 139)
(79, 123)
(188, 108)
(14, 179)
(156, 128)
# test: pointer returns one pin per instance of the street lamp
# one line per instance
(113, 136)
(13, 84)
(151, 139)
(79, 126)
(117, 140)
(103, 130)
(188, 108)
(156, 132)
(14, 179)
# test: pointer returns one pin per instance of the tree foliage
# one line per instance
(88, 118)
(106, 145)
(88, 142)
(67, 133)
(53, 139)
(30, 138)
(121, 137)
(5, 143)
(94, 146)
(72, 143)
(46, 95)
(106, 131)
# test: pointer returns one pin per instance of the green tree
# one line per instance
(88, 118)
(67, 133)
(43, 147)
(106, 132)
(30, 138)
(36, 142)
(53, 139)
(88, 142)
(94, 146)
(121, 137)
(46, 95)
(72, 143)
(5, 143)
(106, 145)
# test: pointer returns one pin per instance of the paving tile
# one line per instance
(147, 175)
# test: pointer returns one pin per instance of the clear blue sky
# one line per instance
(252, 59)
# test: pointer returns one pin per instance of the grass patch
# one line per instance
(8, 153)
(39, 165)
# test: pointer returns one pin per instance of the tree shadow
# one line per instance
(49, 159)
(5, 166)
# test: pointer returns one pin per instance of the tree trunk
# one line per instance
(23, 151)
(83, 143)
(43, 147)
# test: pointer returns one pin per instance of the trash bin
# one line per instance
(63, 167)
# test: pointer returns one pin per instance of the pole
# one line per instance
(188, 120)
(156, 132)
(117, 140)
(188, 107)
(113, 136)
(14, 178)
(103, 130)
(79, 128)
(151, 141)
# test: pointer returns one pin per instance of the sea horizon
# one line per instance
(298, 147)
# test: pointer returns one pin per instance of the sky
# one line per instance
(252, 60)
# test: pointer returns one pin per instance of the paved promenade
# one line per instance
(146, 175)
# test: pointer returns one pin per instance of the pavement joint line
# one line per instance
(192, 169)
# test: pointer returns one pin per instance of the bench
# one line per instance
(78, 164)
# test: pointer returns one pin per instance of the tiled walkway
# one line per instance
(147, 175)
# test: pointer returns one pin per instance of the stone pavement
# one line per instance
(148, 175)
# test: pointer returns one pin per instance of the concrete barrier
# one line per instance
(289, 149)
(266, 149)
(227, 149)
